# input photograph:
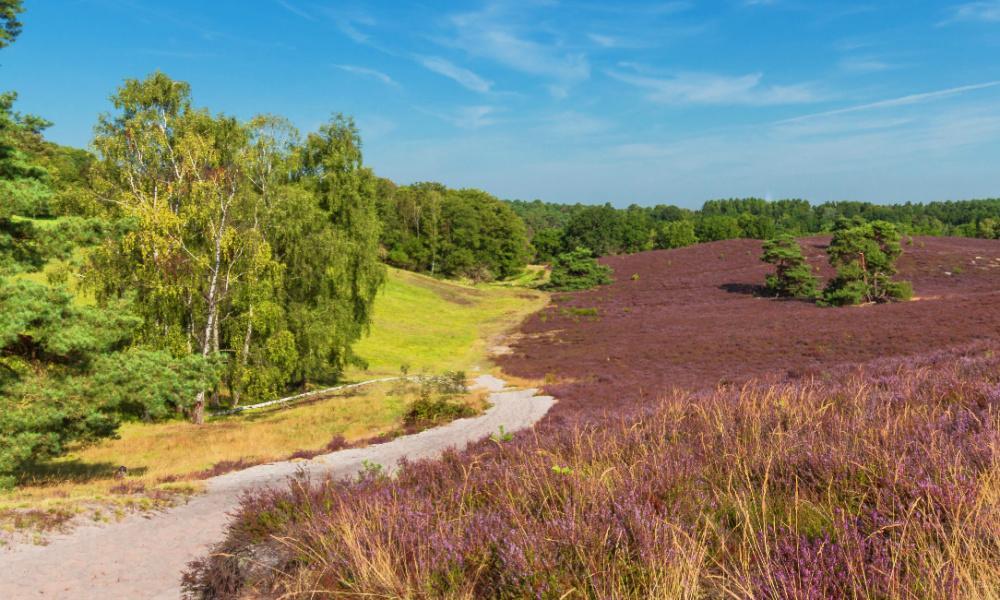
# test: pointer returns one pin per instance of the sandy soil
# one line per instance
(143, 556)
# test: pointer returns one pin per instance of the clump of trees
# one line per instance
(792, 277)
(864, 255)
(245, 241)
(453, 233)
(226, 258)
(578, 270)
(68, 372)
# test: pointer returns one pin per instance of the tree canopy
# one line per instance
(469, 233)
(244, 241)
(604, 229)
(865, 258)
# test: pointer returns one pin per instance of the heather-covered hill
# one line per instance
(876, 480)
(693, 317)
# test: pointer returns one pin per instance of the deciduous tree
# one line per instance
(180, 176)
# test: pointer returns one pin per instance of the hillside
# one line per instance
(861, 464)
(691, 319)
(436, 325)
(430, 325)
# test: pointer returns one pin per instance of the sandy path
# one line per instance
(143, 556)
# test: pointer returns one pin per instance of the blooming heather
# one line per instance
(881, 481)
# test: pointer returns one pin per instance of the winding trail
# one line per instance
(143, 556)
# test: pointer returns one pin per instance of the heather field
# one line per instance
(708, 443)
(878, 482)
(690, 318)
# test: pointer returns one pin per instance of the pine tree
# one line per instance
(865, 258)
(577, 270)
(792, 277)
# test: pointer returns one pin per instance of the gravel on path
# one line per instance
(144, 555)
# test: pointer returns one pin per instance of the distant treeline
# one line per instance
(603, 229)
(429, 228)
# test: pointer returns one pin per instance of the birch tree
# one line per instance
(240, 240)
(178, 177)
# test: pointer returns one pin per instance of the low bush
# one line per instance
(436, 403)
(578, 270)
(433, 411)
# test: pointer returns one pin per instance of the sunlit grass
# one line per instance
(430, 325)
(178, 448)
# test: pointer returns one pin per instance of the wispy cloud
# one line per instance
(710, 88)
(295, 10)
(370, 73)
(462, 76)
(351, 24)
(465, 117)
(607, 41)
(495, 35)
(900, 101)
(988, 11)
(604, 41)
(473, 117)
(863, 65)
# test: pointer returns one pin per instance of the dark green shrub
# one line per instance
(792, 277)
(431, 409)
(577, 270)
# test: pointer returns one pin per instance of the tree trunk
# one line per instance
(198, 410)
(212, 316)
(244, 356)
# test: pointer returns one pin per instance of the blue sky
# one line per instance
(622, 102)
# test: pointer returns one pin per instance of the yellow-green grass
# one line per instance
(533, 276)
(430, 325)
(179, 449)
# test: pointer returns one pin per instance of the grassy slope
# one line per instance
(433, 326)
(430, 325)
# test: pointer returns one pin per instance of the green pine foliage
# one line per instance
(64, 378)
(865, 258)
(578, 270)
(792, 277)
(10, 26)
